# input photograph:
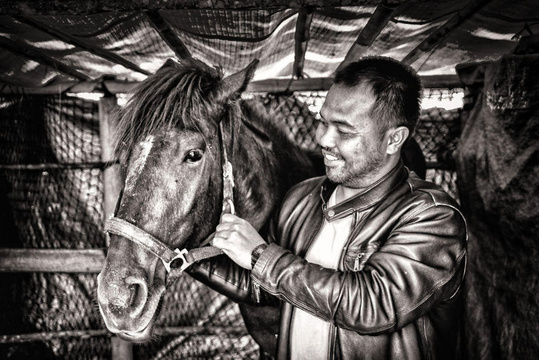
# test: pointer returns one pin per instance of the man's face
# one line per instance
(353, 149)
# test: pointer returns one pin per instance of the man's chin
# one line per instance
(335, 176)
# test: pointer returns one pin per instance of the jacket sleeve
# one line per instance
(224, 276)
(231, 280)
(421, 263)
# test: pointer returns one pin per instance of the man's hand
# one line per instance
(237, 238)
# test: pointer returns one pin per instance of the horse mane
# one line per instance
(266, 161)
(176, 96)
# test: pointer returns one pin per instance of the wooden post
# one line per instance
(112, 177)
(112, 184)
(121, 350)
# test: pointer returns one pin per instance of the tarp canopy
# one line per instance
(56, 44)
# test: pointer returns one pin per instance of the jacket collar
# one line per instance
(365, 199)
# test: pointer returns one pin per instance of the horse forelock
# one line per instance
(175, 97)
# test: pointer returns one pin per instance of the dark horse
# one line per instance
(171, 148)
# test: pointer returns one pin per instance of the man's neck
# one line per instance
(343, 193)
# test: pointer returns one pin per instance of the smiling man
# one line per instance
(367, 261)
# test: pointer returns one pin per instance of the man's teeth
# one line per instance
(331, 157)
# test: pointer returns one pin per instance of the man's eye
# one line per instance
(193, 156)
(345, 130)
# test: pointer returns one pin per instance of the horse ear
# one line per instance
(167, 65)
(171, 63)
(233, 85)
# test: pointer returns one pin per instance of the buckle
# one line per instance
(177, 262)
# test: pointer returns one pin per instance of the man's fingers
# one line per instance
(224, 237)
(220, 240)
(230, 224)
(222, 227)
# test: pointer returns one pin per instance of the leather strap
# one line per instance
(123, 228)
(177, 259)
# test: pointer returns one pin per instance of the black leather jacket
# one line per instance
(397, 291)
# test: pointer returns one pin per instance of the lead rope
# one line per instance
(228, 178)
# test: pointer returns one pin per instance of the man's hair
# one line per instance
(396, 88)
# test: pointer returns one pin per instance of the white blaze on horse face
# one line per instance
(135, 169)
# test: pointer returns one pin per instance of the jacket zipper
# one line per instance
(356, 261)
(256, 290)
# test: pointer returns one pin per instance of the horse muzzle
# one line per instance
(128, 307)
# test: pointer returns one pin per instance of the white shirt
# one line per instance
(309, 335)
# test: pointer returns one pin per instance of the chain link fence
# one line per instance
(51, 192)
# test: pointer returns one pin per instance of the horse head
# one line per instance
(172, 150)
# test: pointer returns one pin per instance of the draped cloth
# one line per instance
(498, 176)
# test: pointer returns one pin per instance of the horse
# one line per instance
(183, 134)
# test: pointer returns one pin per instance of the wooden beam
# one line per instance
(301, 40)
(281, 85)
(370, 32)
(77, 7)
(376, 24)
(160, 331)
(52, 260)
(435, 38)
(270, 85)
(51, 335)
(167, 34)
(441, 82)
(62, 166)
(36, 55)
(110, 56)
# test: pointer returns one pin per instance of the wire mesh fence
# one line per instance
(437, 131)
(51, 192)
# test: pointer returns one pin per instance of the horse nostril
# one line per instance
(132, 293)
(117, 310)
(129, 299)
(138, 294)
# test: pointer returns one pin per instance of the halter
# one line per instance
(176, 260)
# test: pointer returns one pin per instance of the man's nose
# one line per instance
(325, 135)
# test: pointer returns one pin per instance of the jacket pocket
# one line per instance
(356, 259)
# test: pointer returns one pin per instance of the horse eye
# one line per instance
(193, 156)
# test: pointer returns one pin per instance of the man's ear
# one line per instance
(396, 139)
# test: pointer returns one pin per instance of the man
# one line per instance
(369, 260)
